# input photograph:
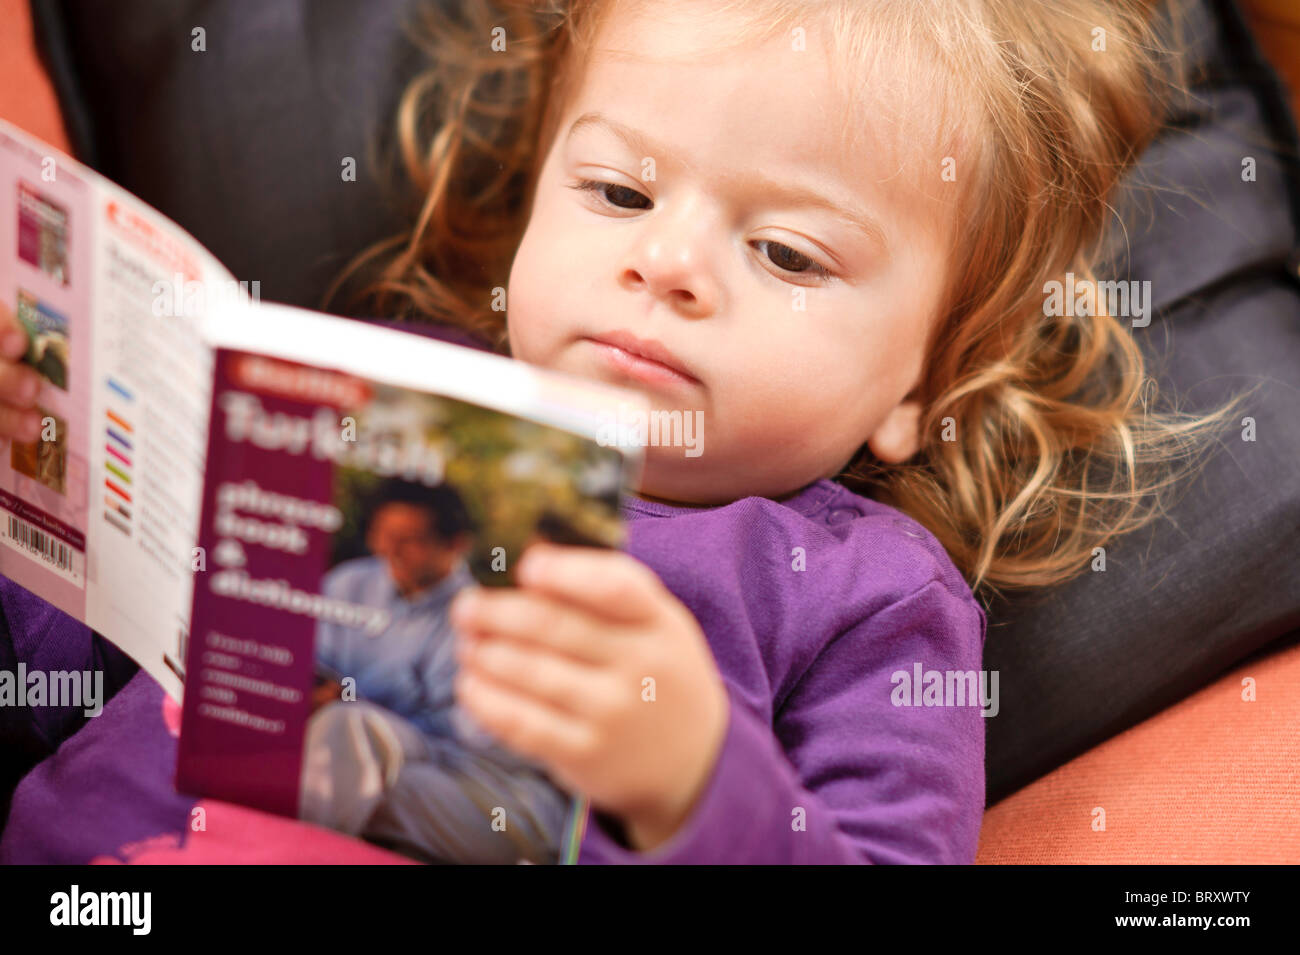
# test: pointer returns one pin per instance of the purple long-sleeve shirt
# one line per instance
(813, 606)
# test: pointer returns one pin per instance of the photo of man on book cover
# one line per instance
(387, 754)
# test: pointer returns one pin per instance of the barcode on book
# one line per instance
(66, 561)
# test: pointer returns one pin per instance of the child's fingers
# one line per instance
(526, 726)
(560, 681)
(608, 583)
(19, 425)
(531, 618)
(13, 337)
(18, 385)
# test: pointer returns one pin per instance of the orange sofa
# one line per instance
(1213, 779)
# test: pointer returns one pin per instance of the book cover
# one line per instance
(340, 516)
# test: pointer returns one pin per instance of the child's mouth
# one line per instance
(644, 361)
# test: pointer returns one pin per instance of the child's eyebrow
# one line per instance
(842, 207)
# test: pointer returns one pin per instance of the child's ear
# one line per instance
(899, 436)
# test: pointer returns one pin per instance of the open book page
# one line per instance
(100, 514)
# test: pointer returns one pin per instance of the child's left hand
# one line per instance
(596, 671)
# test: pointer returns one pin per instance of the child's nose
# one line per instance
(677, 268)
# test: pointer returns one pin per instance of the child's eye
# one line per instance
(785, 258)
(619, 193)
(789, 260)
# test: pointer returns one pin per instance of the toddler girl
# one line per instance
(826, 232)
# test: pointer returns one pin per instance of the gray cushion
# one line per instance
(243, 144)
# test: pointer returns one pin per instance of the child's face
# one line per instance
(713, 261)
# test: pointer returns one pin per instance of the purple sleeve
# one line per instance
(846, 775)
(38, 636)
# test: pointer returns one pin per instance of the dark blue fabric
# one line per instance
(243, 144)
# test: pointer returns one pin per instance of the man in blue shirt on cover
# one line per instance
(388, 754)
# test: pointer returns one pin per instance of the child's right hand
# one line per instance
(19, 383)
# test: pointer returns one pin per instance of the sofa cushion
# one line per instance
(1212, 780)
(27, 97)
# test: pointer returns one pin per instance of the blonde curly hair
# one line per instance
(1060, 445)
